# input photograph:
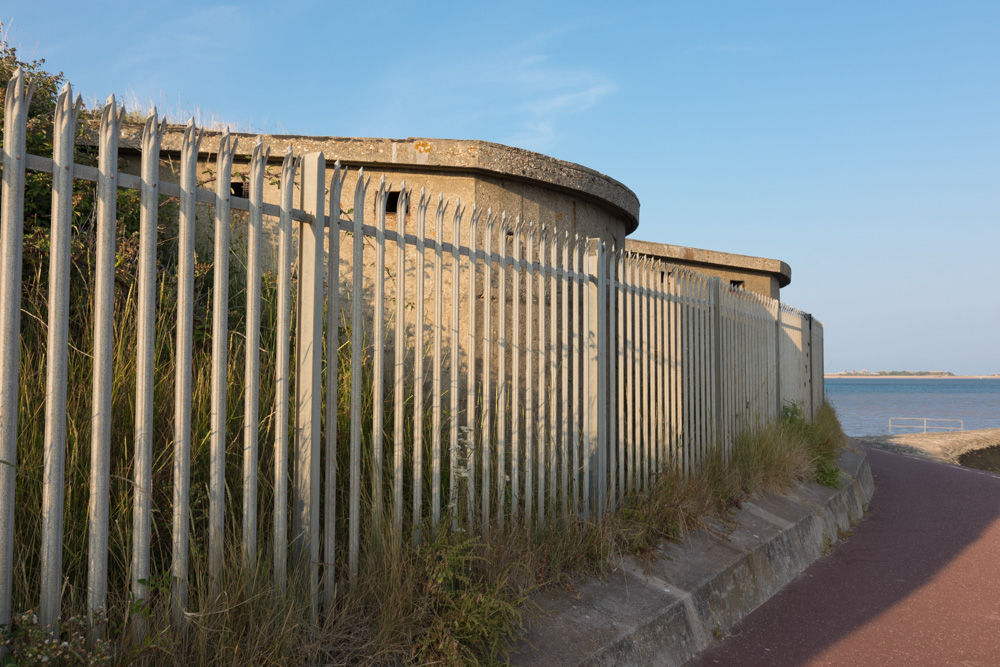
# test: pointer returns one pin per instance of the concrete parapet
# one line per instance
(665, 611)
(758, 274)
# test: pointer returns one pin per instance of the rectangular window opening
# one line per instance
(392, 202)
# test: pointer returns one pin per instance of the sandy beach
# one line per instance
(943, 446)
(840, 376)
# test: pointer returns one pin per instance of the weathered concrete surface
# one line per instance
(665, 611)
(428, 155)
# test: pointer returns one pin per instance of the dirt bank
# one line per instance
(946, 446)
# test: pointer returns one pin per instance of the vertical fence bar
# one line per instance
(636, 361)
(685, 365)
(282, 371)
(716, 305)
(664, 418)
(621, 367)
(639, 337)
(754, 362)
(649, 346)
(591, 380)
(146, 326)
(220, 346)
(724, 371)
(672, 366)
(399, 394)
(418, 363)
(539, 428)
(564, 285)
(502, 372)
(588, 396)
(738, 389)
(251, 397)
(647, 381)
(691, 386)
(676, 366)
(553, 369)
(578, 381)
(733, 361)
(470, 407)
(11, 235)
(696, 367)
(699, 366)
(455, 341)
(654, 397)
(487, 368)
(57, 360)
(357, 341)
(378, 355)
(777, 358)
(104, 305)
(308, 369)
(609, 327)
(436, 406)
(600, 355)
(629, 351)
(183, 372)
(529, 401)
(704, 377)
(745, 402)
(332, 386)
(515, 392)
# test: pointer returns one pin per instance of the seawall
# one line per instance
(666, 610)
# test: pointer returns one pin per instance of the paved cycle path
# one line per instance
(917, 583)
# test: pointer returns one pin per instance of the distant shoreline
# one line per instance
(839, 376)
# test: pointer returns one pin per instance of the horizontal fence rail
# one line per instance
(925, 424)
(437, 366)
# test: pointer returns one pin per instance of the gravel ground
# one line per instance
(944, 446)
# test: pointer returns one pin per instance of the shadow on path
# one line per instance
(916, 583)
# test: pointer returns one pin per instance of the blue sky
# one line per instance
(858, 141)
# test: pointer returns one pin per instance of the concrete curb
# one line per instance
(666, 611)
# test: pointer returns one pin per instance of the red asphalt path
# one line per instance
(917, 583)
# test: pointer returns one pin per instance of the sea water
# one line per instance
(866, 405)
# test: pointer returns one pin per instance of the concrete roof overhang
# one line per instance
(442, 155)
(715, 259)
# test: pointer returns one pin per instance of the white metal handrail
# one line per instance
(893, 421)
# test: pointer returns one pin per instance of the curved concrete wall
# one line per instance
(539, 189)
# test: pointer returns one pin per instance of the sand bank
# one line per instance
(838, 376)
(942, 446)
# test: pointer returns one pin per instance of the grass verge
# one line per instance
(457, 599)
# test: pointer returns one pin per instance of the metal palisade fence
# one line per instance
(464, 369)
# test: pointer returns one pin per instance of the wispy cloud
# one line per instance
(759, 50)
(520, 94)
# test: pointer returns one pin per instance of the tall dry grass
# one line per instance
(455, 599)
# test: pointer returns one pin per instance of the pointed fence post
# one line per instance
(145, 347)
(100, 443)
(715, 304)
(308, 393)
(220, 363)
(777, 358)
(594, 418)
(57, 353)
